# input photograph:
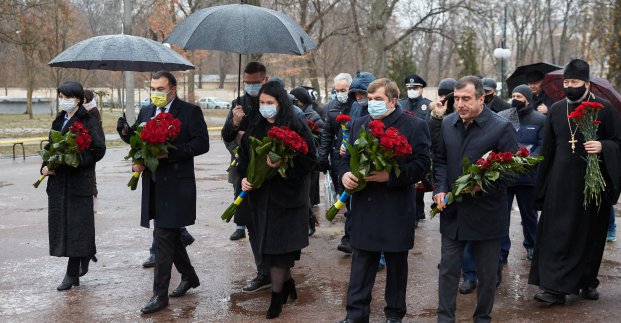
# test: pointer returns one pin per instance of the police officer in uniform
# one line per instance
(415, 101)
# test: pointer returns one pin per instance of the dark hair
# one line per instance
(172, 81)
(275, 89)
(255, 67)
(72, 89)
(88, 96)
(478, 84)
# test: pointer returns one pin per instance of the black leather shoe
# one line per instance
(258, 283)
(393, 320)
(467, 286)
(529, 253)
(547, 297)
(312, 222)
(288, 291)
(149, 262)
(238, 234)
(155, 304)
(184, 287)
(345, 246)
(68, 282)
(589, 293)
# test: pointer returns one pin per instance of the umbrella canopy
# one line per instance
(553, 86)
(519, 76)
(242, 29)
(121, 53)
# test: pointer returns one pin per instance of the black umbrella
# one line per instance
(242, 29)
(121, 53)
(519, 76)
(552, 85)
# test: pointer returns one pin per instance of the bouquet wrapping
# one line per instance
(343, 119)
(65, 149)
(150, 141)
(487, 171)
(280, 144)
(374, 151)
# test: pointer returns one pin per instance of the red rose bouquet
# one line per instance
(150, 141)
(343, 119)
(280, 144)
(374, 151)
(65, 149)
(486, 171)
(315, 131)
(585, 118)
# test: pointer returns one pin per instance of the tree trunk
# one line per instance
(312, 73)
(190, 84)
(614, 72)
(375, 56)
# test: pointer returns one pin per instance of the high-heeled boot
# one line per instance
(275, 306)
(68, 282)
(288, 291)
(84, 264)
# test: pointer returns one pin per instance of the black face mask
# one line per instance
(517, 104)
(488, 98)
(575, 93)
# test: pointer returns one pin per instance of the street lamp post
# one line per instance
(503, 53)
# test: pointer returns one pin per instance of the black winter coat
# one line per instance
(420, 106)
(71, 216)
(278, 210)
(498, 104)
(332, 134)
(174, 188)
(486, 216)
(384, 214)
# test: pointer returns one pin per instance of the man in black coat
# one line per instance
(541, 101)
(331, 140)
(492, 100)
(470, 132)
(169, 194)
(382, 213)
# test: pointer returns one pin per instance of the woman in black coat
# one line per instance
(279, 208)
(71, 218)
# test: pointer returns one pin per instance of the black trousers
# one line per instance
(73, 265)
(362, 278)
(169, 250)
(486, 253)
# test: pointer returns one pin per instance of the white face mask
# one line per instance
(342, 97)
(89, 106)
(268, 111)
(67, 104)
(413, 94)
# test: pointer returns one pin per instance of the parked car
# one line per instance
(213, 103)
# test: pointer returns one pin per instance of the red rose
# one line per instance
(523, 152)
(377, 128)
(343, 118)
(484, 164)
(597, 122)
(507, 157)
(386, 143)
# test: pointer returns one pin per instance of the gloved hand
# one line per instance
(324, 166)
(122, 126)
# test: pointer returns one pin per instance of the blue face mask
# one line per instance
(363, 102)
(268, 111)
(377, 108)
(252, 89)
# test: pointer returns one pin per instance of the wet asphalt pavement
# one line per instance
(117, 286)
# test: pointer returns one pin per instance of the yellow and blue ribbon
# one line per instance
(240, 198)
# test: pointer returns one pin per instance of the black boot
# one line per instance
(84, 264)
(68, 282)
(288, 291)
(312, 221)
(275, 306)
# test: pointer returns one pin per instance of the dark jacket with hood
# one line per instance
(332, 134)
(360, 83)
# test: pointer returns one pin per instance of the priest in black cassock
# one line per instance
(570, 240)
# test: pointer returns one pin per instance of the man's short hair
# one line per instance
(172, 81)
(255, 67)
(470, 79)
(390, 88)
(343, 76)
